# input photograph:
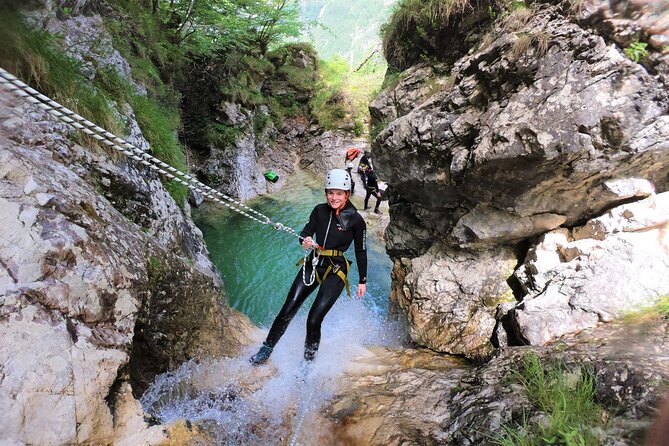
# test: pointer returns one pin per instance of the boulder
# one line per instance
(517, 136)
(449, 297)
(594, 273)
(544, 126)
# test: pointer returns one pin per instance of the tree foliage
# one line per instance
(214, 25)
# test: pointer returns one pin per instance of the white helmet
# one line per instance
(338, 179)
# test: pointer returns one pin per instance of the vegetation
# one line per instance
(352, 67)
(347, 30)
(659, 310)
(637, 50)
(414, 29)
(566, 399)
(192, 56)
(33, 57)
(158, 40)
(417, 28)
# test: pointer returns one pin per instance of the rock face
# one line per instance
(230, 130)
(103, 283)
(574, 279)
(544, 124)
(449, 297)
(419, 397)
(322, 152)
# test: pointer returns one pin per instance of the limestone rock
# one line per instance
(414, 86)
(521, 155)
(629, 22)
(392, 397)
(576, 279)
(449, 297)
(526, 139)
(87, 281)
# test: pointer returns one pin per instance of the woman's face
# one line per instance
(336, 197)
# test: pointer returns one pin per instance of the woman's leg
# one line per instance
(377, 194)
(327, 295)
(296, 297)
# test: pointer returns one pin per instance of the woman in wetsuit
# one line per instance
(336, 224)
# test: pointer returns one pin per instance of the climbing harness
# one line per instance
(98, 133)
(332, 268)
(319, 252)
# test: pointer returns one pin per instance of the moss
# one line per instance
(155, 269)
(494, 300)
(222, 136)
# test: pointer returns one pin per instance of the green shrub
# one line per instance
(408, 35)
(221, 135)
(567, 398)
(329, 107)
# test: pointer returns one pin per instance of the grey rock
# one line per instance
(97, 279)
(576, 279)
(449, 297)
(393, 397)
(519, 143)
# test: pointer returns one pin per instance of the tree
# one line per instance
(208, 25)
(271, 21)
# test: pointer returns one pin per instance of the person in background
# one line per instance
(351, 154)
(364, 167)
(336, 224)
(373, 189)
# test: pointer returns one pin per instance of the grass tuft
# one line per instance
(565, 400)
(34, 58)
(658, 310)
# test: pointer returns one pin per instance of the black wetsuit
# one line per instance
(364, 166)
(373, 189)
(345, 228)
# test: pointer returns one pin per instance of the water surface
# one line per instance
(258, 263)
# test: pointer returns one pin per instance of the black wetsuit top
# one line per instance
(345, 228)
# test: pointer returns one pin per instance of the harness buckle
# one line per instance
(335, 269)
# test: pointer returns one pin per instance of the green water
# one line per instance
(258, 262)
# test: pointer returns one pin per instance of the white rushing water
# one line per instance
(238, 404)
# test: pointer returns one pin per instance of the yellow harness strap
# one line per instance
(335, 269)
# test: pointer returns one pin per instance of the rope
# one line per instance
(98, 133)
(314, 261)
(302, 411)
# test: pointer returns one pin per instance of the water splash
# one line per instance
(276, 403)
(243, 405)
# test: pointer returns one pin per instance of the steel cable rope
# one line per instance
(98, 133)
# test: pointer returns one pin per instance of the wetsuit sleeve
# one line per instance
(360, 240)
(310, 227)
